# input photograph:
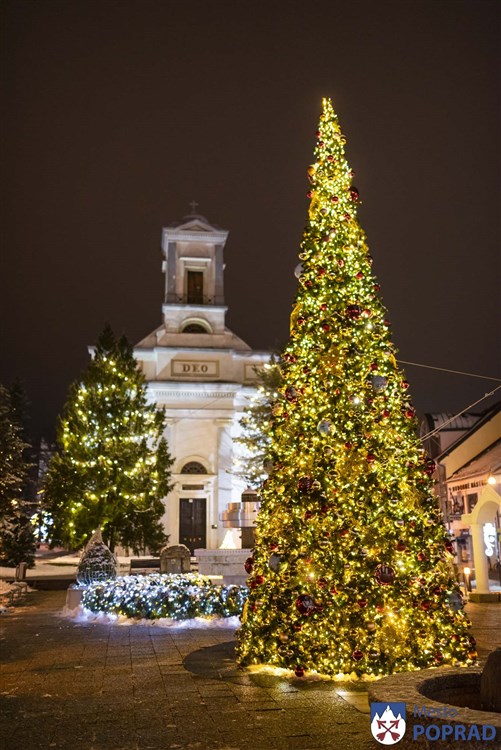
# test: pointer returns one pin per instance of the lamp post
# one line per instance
(467, 581)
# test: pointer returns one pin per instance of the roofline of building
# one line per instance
(488, 415)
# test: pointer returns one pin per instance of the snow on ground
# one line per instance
(83, 615)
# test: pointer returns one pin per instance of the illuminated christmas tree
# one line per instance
(112, 467)
(351, 571)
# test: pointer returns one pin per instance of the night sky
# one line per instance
(117, 114)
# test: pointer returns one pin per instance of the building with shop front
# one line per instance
(469, 485)
(203, 375)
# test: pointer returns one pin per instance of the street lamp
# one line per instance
(467, 581)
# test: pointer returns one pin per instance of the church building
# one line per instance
(204, 376)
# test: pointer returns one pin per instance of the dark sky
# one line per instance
(116, 114)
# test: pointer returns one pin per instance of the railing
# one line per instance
(190, 299)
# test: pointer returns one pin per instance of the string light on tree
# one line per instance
(351, 571)
(112, 468)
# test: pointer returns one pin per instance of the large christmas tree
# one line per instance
(351, 570)
(112, 468)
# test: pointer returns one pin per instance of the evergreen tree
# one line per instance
(112, 467)
(17, 542)
(252, 461)
(352, 566)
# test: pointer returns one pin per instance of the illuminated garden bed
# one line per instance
(155, 596)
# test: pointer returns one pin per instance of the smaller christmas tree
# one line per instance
(252, 459)
(112, 468)
(17, 541)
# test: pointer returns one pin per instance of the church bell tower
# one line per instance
(194, 283)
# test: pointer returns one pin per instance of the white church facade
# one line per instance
(203, 375)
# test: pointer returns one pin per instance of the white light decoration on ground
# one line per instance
(180, 597)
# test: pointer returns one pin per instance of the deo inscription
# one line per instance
(194, 367)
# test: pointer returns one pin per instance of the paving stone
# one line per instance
(96, 686)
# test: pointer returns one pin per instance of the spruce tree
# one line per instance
(112, 467)
(17, 541)
(252, 460)
(351, 571)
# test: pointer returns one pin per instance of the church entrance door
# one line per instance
(193, 522)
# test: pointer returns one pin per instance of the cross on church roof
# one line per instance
(194, 206)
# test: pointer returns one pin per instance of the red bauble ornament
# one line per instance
(305, 484)
(354, 193)
(334, 590)
(421, 556)
(404, 384)
(374, 366)
(344, 532)
(357, 655)
(410, 413)
(299, 672)
(325, 327)
(305, 604)
(348, 446)
(377, 287)
(353, 311)
(370, 458)
(430, 467)
(359, 275)
(300, 322)
(330, 158)
(323, 307)
(273, 547)
(248, 564)
(308, 283)
(347, 217)
(321, 272)
(362, 603)
(400, 546)
(425, 605)
(309, 194)
(384, 574)
(385, 413)
(340, 262)
(321, 144)
(308, 515)
(259, 580)
(334, 199)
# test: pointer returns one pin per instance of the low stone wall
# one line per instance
(434, 688)
(228, 563)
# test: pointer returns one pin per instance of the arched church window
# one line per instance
(194, 328)
(193, 467)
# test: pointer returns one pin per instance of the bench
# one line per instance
(17, 590)
(144, 566)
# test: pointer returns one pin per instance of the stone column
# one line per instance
(479, 558)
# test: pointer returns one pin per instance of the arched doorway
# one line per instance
(483, 524)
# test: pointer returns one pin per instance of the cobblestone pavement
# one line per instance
(89, 686)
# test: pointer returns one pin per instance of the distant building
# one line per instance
(469, 486)
(204, 375)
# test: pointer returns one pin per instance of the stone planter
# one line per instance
(228, 563)
(457, 689)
